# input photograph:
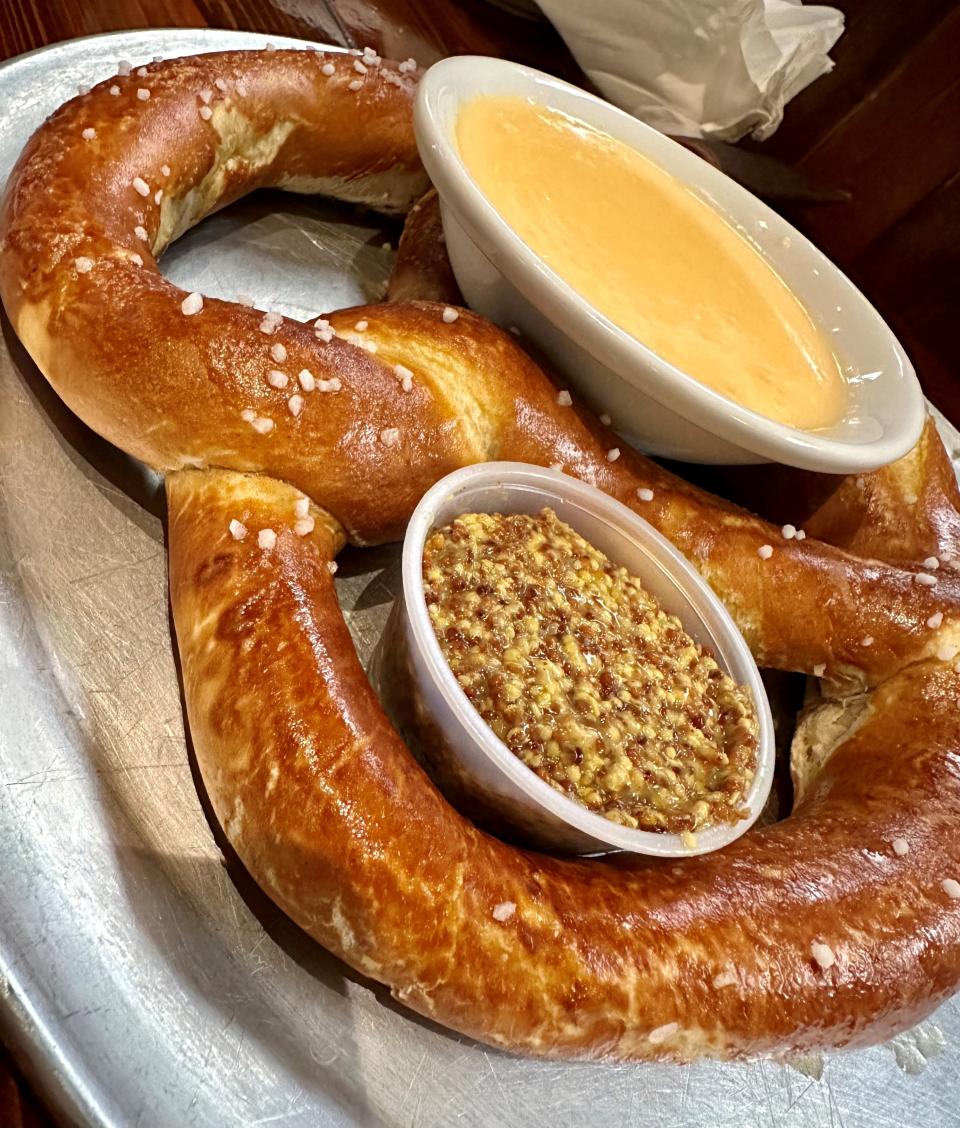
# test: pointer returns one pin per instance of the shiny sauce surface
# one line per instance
(649, 254)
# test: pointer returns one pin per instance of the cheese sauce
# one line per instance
(653, 257)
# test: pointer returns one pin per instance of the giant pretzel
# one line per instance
(838, 926)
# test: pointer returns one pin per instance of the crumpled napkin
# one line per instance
(700, 68)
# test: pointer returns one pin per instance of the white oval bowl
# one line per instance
(484, 764)
(654, 404)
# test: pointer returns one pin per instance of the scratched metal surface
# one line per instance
(145, 980)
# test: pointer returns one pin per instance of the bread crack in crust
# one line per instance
(838, 926)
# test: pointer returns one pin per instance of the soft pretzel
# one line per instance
(838, 926)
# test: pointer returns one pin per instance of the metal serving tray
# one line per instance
(142, 980)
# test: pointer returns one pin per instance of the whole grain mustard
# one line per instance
(584, 677)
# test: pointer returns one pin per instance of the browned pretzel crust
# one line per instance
(837, 926)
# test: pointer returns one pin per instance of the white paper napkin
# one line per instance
(700, 68)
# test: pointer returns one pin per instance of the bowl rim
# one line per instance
(726, 639)
(558, 301)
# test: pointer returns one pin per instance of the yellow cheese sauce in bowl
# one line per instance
(658, 290)
(653, 257)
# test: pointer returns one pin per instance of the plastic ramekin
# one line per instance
(467, 760)
(654, 404)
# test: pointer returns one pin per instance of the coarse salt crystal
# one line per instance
(613, 454)
(140, 186)
(935, 620)
(819, 669)
(277, 379)
(331, 385)
(948, 652)
(868, 640)
(645, 494)
(238, 530)
(564, 399)
(801, 535)
(141, 232)
(307, 380)
(788, 532)
(324, 335)
(932, 563)
(321, 323)
(89, 134)
(271, 47)
(368, 346)
(136, 259)
(359, 67)
(402, 372)
(900, 847)
(124, 68)
(925, 579)
(205, 96)
(83, 264)
(951, 888)
(165, 170)
(191, 304)
(332, 566)
(220, 84)
(278, 352)
(355, 84)
(115, 90)
(662, 1033)
(407, 65)
(158, 196)
(361, 326)
(450, 315)
(143, 94)
(267, 539)
(295, 404)
(823, 954)
(83, 89)
(765, 551)
(206, 113)
(141, 72)
(606, 420)
(304, 526)
(390, 436)
(327, 69)
(301, 507)
(725, 979)
(248, 415)
(244, 300)
(504, 911)
(262, 425)
(270, 323)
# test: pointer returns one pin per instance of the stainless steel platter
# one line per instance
(143, 978)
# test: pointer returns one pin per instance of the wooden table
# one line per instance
(885, 126)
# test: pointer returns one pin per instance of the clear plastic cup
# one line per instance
(471, 765)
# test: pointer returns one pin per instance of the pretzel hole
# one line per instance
(294, 255)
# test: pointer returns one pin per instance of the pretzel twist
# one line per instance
(815, 931)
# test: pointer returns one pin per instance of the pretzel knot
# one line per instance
(281, 441)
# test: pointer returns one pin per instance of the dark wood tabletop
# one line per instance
(880, 136)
